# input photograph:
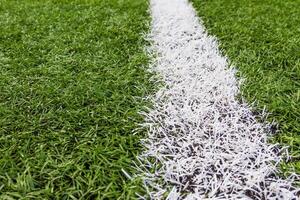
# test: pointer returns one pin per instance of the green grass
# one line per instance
(262, 38)
(71, 72)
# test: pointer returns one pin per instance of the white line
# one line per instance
(202, 143)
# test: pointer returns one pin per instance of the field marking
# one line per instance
(202, 142)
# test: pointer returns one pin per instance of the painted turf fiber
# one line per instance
(203, 143)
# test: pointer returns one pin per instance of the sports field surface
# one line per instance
(203, 142)
(71, 72)
(262, 39)
(129, 99)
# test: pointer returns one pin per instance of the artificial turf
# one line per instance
(72, 74)
(262, 39)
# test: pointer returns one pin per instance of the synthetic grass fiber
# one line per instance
(72, 72)
(262, 39)
(203, 142)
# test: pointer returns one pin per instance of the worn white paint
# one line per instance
(203, 142)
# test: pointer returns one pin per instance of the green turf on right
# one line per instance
(262, 39)
(72, 77)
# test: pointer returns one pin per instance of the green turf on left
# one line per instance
(262, 39)
(72, 77)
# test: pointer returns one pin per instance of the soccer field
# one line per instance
(72, 77)
(262, 40)
(129, 99)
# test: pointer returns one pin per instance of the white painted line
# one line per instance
(202, 143)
